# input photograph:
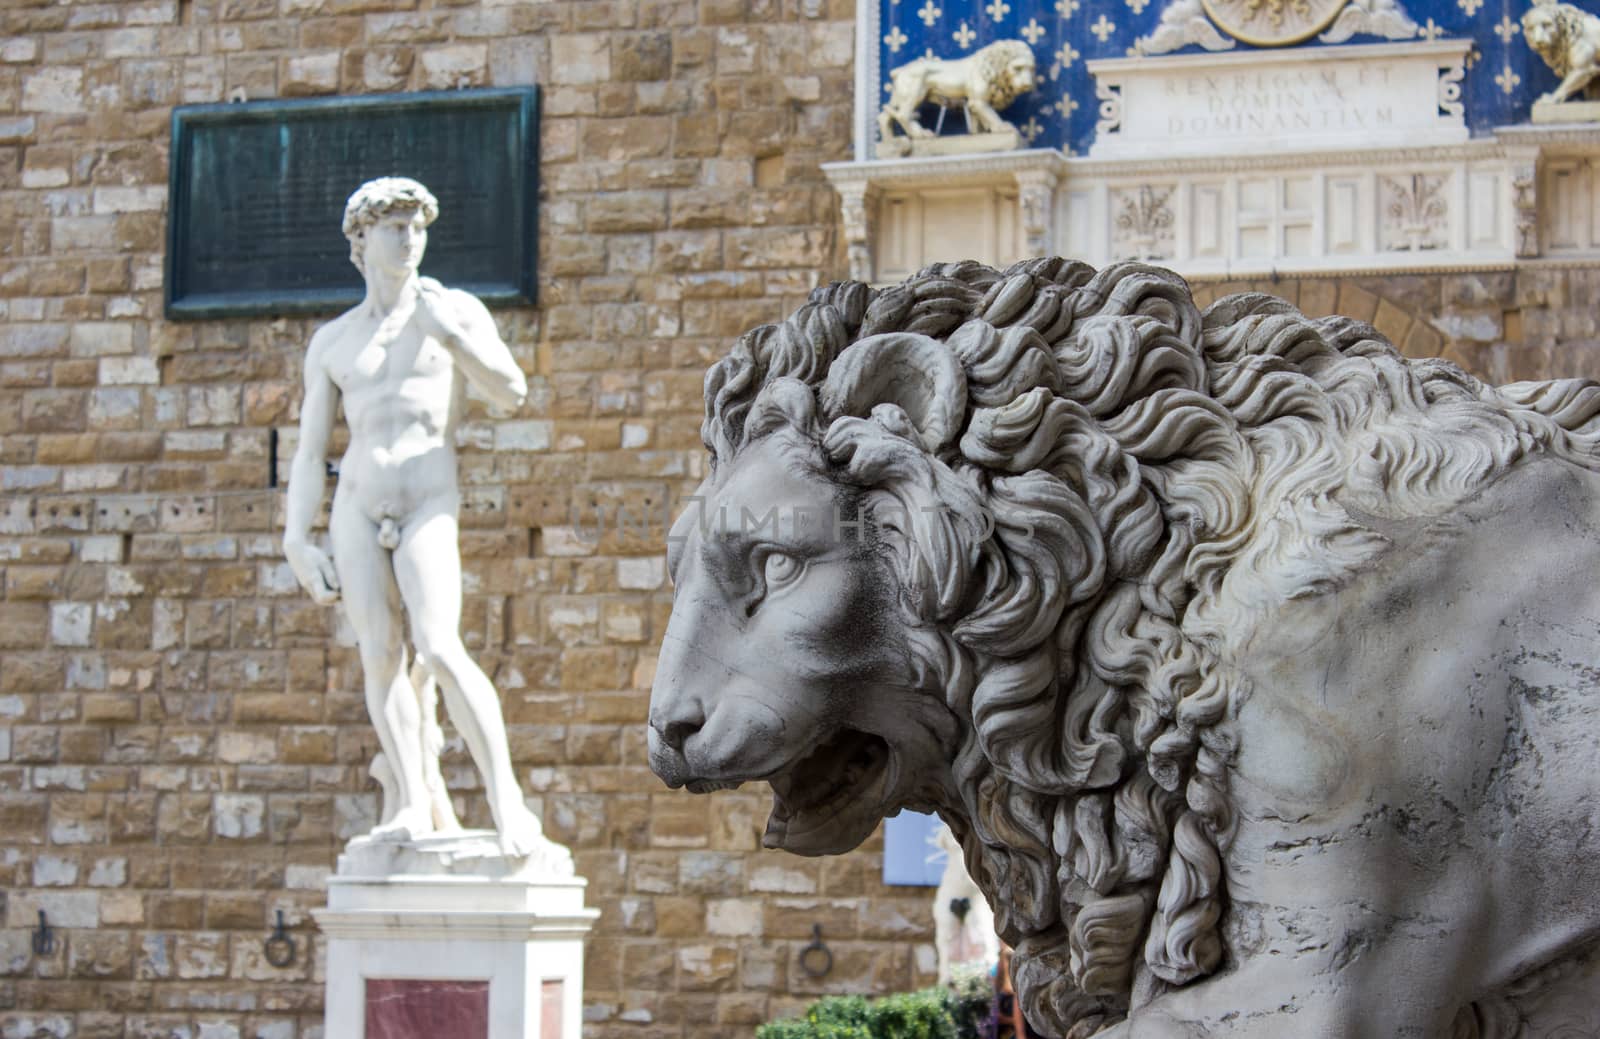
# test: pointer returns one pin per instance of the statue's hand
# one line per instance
(436, 314)
(314, 569)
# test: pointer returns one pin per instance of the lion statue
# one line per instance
(1252, 664)
(986, 81)
(1568, 39)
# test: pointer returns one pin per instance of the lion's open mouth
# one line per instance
(820, 802)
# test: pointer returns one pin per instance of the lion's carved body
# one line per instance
(1254, 665)
(1568, 39)
(984, 82)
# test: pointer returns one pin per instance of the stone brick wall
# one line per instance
(183, 742)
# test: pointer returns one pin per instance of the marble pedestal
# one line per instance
(444, 936)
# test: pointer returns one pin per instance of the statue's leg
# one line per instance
(986, 117)
(427, 565)
(444, 813)
(372, 603)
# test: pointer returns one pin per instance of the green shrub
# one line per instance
(971, 1000)
(929, 1014)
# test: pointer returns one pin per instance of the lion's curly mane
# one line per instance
(1128, 482)
(1568, 20)
(994, 62)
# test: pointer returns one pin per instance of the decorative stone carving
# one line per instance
(1450, 91)
(400, 363)
(1273, 23)
(983, 83)
(1252, 663)
(856, 201)
(1036, 199)
(1357, 96)
(1110, 98)
(1385, 18)
(1568, 39)
(1415, 212)
(1144, 224)
(1183, 22)
(1525, 202)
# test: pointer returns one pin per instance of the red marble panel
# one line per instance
(550, 994)
(413, 1008)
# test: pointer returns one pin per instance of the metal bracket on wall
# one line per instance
(279, 946)
(815, 959)
(44, 939)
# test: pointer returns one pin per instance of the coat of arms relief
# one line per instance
(1219, 24)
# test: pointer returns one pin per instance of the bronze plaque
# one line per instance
(257, 193)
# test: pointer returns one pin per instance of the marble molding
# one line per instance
(1528, 191)
(1252, 664)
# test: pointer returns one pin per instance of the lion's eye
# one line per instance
(779, 569)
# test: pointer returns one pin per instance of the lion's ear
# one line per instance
(915, 372)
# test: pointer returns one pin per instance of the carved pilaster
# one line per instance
(858, 204)
(1036, 204)
(1525, 204)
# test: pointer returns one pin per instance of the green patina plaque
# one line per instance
(257, 193)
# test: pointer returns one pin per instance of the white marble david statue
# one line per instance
(401, 361)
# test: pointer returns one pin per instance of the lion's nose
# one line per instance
(678, 721)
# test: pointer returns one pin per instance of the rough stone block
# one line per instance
(581, 58)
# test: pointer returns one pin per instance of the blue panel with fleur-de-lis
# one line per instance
(1503, 78)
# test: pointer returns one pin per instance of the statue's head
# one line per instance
(1539, 28)
(1011, 69)
(1020, 69)
(394, 199)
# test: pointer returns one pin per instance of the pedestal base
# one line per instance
(1545, 112)
(445, 936)
(952, 144)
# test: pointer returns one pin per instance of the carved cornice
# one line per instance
(946, 169)
(1444, 50)
(1485, 149)
(1567, 137)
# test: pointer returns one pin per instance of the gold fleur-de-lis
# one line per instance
(1474, 55)
(964, 36)
(1066, 106)
(929, 13)
(1066, 55)
(1031, 129)
(1431, 31)
(1469, 6)
(1103, 28)
(895, 40)
(1508, 80)
(1032, 32)
(998, 9)
(1507, 29)
(1138, 6)
(1067, 8)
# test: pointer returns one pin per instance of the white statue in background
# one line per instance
(963, 923)
(401, 361)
